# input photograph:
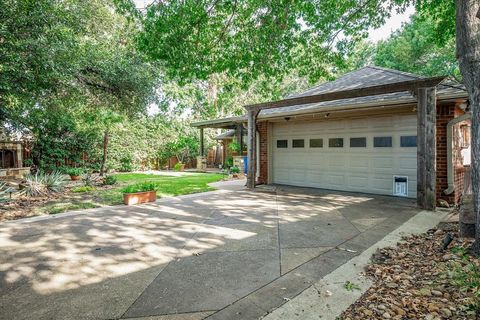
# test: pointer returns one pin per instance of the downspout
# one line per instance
(450, 177)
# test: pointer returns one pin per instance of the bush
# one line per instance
(5, 192)
(139, 187)
(229, 162)
(234, 146)
(27, 162)
(235, 169)
(71, 171)
(126, 164)
(40, 183)
(110, 180)
(83, 189)
(89, 179)
(178, 166)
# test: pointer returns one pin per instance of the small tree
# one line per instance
(184, 148)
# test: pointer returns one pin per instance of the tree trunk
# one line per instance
(105, 152)
(468, 55)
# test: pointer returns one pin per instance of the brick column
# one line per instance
(262, 128)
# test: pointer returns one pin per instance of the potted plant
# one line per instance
(139, 193)
(74, 173)
(179, 167)
(235, 171)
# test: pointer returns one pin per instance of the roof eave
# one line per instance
(353, 106)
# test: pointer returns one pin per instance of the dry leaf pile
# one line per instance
(418, 279)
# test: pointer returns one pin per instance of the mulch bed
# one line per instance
(417, 280)
(24, 207)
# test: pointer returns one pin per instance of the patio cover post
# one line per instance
(426, 148)
(251, 150)
(202, 151)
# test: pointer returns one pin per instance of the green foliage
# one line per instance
(250, 39)
(184, 147)
(229, 162)
(110, 180)
(140, 187)
(414, 49)
(235, 170)
(66, 66)
(126, 163)
(27, 162)
(467, 278)
(41, 184)
(350, 286)
(73, 171)
(83, 189)
(178, 166)
(234, 146)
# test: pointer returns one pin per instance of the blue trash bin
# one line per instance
(245, 164)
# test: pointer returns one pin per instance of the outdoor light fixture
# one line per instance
(327, 115)
(287, 118)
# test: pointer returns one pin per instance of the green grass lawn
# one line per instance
(164, 185)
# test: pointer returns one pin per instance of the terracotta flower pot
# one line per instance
(139, 197)
(75, 178)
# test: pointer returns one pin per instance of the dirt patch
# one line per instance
(24, 207)
(427, 276)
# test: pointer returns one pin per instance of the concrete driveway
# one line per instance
(228, 254)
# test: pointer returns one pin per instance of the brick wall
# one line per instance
(445, 113)
(262, 129)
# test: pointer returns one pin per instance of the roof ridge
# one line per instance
(396, 72)
(320, 84)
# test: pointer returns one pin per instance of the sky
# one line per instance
(392, 24)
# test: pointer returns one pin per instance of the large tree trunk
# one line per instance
(468, 54)
(105, 152)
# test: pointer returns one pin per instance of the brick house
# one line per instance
(367, 143)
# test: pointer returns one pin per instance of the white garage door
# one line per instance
(360, 155)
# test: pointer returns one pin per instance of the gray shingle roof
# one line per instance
(226, 135)
(365, 77)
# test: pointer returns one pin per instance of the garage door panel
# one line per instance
(407, 162)
(358, 181)
(363, 169)
(335, 179)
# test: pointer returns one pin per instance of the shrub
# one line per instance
(5, 192)
(40, 183)
(229, 162)
(234, 146)
(235, 169)
(54, 182)
(89, 179)
(139, 187)
(178, 166)
(126, 164)
(83, 189)
(71, 171)
(27, 162)
(110, 180)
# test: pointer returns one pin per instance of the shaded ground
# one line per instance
(168, 184)
(418, 279)
(223, 255)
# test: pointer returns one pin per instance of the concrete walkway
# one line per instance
(228, 254)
